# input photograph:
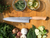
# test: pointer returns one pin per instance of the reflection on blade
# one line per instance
(13, 20)
(18, 18)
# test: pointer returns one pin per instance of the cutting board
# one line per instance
(44, 11)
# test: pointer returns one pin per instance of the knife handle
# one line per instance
(39, 18)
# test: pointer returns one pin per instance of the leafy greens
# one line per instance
(3, 6)
(31, 33)
(6, 31)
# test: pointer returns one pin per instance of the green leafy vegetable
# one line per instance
(20, 5)
(34, 35)
(31, 33)
(3, 6)
(6, 31)
(34, 4)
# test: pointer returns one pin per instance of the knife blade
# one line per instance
(16, 20)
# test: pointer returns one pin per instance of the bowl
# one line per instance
(37, 7)
(15, 1)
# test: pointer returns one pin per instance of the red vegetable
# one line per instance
(19, 34)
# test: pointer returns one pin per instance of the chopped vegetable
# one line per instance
(31, 0)
(44, 36)
(20, 5)
(41, 32)
(33, 4)
(41, 28)
(36, 31)
(30, 3)
(44, 32)
(39, 36)
(31, 7)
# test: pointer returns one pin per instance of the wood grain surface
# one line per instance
(44, 11)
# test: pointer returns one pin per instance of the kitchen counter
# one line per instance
(43, 11)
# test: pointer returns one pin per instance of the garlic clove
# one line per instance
(24, 31)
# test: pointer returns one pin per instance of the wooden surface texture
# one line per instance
(43, 11)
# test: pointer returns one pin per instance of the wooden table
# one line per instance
(43, 11)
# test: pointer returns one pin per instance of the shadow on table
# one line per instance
(47, 18)
(1, 17)
(42, 6)
(27, 10)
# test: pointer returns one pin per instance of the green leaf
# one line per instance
(1, 36)
(20, 5)
(34, 0)
(11, 35)
(6, 6)
(44, 32)
(9, 5)
(0, 6)
(3, 6)
(34, 35)
(34, 4)
(29, 35)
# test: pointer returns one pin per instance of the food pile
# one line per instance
(20, 5)
(37, 33)
(6, 31)
(33, 32)
(41, 32)
(33, 4)
(9, 31)
(19, 34)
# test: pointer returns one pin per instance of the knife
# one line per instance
(23, 19)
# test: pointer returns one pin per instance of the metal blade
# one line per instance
(19, 18)
(16, 20)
